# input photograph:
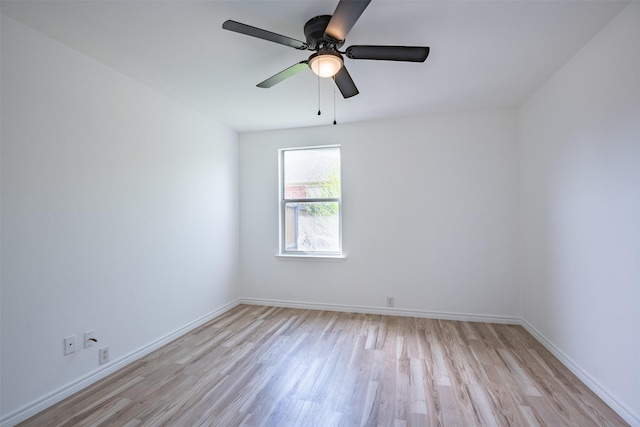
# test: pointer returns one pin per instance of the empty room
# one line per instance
(320, 213)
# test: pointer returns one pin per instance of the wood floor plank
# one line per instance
(273, 366)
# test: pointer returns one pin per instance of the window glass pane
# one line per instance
(312, 226)
(312, 174)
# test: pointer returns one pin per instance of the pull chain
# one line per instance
(334, 101)
(319, 89)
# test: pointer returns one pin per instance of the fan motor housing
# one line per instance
(314, 32)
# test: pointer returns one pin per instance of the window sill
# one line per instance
(316, 258)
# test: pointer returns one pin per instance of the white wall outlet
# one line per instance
(103, 355)
(390, 301)
(88, 336)
(69, 344)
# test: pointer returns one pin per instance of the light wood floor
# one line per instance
(265, 366)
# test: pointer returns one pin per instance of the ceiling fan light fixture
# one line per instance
(324, 35)
(325, 63)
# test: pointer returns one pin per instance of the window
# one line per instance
(310, 201)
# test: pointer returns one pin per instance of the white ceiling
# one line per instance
(484, 54)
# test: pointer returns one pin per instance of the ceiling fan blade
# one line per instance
(344, 17)
(284, 74)
(345, 83)
(389, 53)
(248, 30)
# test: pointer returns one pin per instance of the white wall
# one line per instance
(119, 214)
(580, 203)
(429, 216)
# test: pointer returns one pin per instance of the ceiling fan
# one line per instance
(325, 34)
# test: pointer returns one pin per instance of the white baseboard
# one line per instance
(58, 395)
(385, 310)
(593, 384)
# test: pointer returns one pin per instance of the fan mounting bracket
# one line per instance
(314, 32)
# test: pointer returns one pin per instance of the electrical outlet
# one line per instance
(390, 301)
(69, 345)
(103, 355)
(88, 337)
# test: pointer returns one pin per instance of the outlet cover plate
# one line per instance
(87, 338)
(69, 345)
(103, 355)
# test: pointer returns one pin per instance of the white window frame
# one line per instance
(282, 251)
